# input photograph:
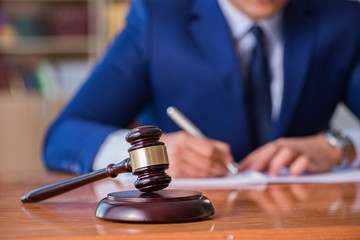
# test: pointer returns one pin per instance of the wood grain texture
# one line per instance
(281, 211)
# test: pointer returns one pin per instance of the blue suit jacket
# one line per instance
(180, 52)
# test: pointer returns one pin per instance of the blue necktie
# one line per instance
(258, 91)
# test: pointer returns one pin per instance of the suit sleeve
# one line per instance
(352, 100)
(352, 96)
(110, 99)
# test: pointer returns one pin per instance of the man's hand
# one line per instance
(192, 157)
(312, 154)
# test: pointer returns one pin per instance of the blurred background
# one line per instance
(47, 48)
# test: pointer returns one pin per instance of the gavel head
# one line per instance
(149, 158)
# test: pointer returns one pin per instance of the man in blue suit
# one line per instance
(198, 55)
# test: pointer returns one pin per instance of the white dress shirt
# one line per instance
(114, 148)
(245, 42)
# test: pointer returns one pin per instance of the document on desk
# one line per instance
(335, 176)
(249, 179)
(255, 180)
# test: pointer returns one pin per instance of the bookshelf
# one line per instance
(47, 48)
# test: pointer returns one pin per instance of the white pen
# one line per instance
(185, 124)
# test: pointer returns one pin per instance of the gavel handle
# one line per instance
(42, 193)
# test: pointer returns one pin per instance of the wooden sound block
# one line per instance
(156, 207)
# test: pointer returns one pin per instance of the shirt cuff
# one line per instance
(354, 135)
(113, 150)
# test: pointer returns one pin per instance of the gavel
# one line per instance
(148, 160)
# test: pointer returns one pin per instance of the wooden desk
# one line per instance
(281, 211)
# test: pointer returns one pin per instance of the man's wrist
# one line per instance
(344, 144)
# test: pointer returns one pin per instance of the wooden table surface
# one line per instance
(280, 211)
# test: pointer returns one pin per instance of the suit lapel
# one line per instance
(210, 31)
(298, 44)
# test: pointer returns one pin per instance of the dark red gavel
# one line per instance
(148, 160)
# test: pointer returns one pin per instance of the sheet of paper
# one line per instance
(253, 180)
(336, 176)
(243, 180)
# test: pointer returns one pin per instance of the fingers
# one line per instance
(282, 158)
(299, 165)
(259, 159)
(198, 165)
(195, 157)
(207, 157)
(274, 156)
(224, 151)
